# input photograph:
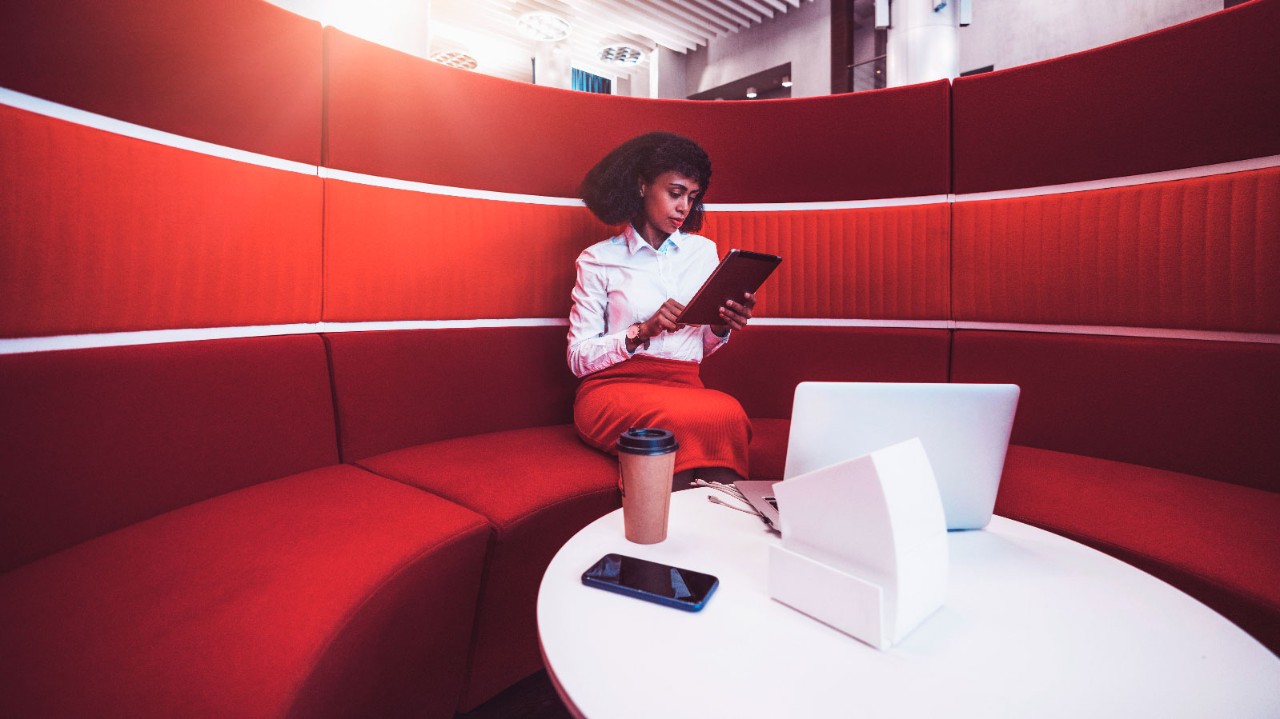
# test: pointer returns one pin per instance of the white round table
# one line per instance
(1035, 625)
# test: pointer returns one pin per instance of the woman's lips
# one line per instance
(677, 222)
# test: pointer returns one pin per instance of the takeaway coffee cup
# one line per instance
(646, 461)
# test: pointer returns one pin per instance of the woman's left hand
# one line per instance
(735, 314)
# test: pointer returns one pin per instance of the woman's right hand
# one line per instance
(664, 320)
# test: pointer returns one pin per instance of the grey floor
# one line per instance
(532, 698)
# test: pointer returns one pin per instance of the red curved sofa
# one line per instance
(340, 500)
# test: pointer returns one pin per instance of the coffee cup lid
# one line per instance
(647, 440)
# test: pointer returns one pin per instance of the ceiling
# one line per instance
(489, 29)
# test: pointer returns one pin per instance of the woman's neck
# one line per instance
(651, 234)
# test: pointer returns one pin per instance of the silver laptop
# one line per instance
(964, 429)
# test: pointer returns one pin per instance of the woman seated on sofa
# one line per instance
(639, 368)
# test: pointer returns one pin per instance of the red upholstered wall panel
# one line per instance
(396, 115)
(241, 73)
(874, 263)
(102, 233)
(1202, 408)
(94, 440)
(403, 255)
(402, 388)
(1193, 254)
(762, 365)
(1200, 93)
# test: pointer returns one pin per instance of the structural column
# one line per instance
(924, 42)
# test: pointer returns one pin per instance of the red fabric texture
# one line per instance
(104, 233)
(1207, 409)
(769, 439)
(395, 254)
(870, 263)
(402, 388)
(395, 115)
(537, 487)
(1198, 254)
(1214, 540)
(240, 73)
(710, 426)
(762, 364)
(94, 440)
(328, 593)
(1076, 118)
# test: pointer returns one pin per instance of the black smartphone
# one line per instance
(651, 581)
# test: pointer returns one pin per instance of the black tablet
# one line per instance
(740, 271)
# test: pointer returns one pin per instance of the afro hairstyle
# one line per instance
(609, 189)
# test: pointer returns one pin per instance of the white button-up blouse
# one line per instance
(623, 280)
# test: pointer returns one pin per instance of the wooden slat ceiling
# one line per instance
(487, 29)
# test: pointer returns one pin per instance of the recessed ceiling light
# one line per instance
(751, 93)
(544, 26)
(786, 81)
(453, 58)
(621, 54)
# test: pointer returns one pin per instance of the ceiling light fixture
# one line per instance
(621, 55)
(751, 93)
(544, 26)
(786, 81)
(454, 58)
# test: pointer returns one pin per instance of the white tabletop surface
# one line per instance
(1035, 625)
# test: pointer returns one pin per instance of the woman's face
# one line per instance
(668, 200)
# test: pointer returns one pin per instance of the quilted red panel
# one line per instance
(328, 593)
(104, 233)
(1119, 110)
(97, 439)
(1198, 254)
(874, 263)
(395, 115)
(402, 388)
(241, 73)
(403, 255)
(1207, 409)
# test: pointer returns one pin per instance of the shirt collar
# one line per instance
(636, 243)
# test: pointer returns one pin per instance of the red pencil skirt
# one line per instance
(710, 426)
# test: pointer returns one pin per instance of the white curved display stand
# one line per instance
(864, 544)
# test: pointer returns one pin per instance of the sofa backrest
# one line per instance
(400, 388)
(762, 365)
(94, 440)
(1200, 407)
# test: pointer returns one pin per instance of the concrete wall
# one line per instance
(801, 37)
(1007, 33)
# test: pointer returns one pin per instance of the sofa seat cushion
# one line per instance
(326, 593)
(537, 486)
(1218, 542)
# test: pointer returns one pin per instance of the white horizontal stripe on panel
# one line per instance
(1104, 331)
(1188, 173)
(442, 324)
(146, 134)
(834, 205)
(824, 322)
(411, 186)
(146, 337)
(119, 339)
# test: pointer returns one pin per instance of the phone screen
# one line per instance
(672, 586)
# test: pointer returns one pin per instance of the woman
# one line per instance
(639, 368)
